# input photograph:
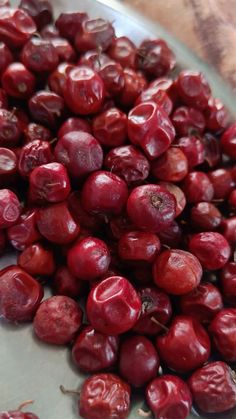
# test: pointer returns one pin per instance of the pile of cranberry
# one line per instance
(118, 186)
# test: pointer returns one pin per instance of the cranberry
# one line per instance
(16, 27)
(58, 78)
(20, 294)
(64, 283)
(155, 57)
(112, 75)
(110, 127)
(172, 235)
(212, 149)
(205, 216)
(57, 320)
(134, 83)
(113, 306)
(128, 162)
(36, 132)
(172, 166)
(32, 155)
(187, 121)
(203, 303)
(177, 271)
(104, 193)
(89, 259)
(49, 183)
(139, 362)
(213, 387)
(64, 50)
(193, 89)
(193, 149)
(94, 33)
(178, 194)
(18, 82)
(84, 91)
(139, 247)
(80, 152)
(232, 199)
(37, 260)
(74, 124)
(10, 130)
(56, 224)
(6, 57)
(69, 23)
(228, 142)
(151, 207)
(169, 397)
(222, 328)
(150, 128)
(46, 108)
(228, 282)
(211, 249)
(39, 55)
(104, 396)
(186, 346)
(85, 220)
(3, 99)
(93, 351)
(123, 51)
(8, 165)
(49, 32)
(40, 11)
(216, 115)
(222, 183)
(156, 311)
(198, 187)
(24, 232)
(10, 208)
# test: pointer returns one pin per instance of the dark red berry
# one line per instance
(222, 328)
(228, 282)
(171, 166)
(87, 221)
(177, 271)
(232, 199)
(93, 352)
(134, 83)
(193, 148)
(138, 247)
(16, 27)
(40, 11)
(20, 294)
(10, 208)
(24, 232)
(18, 82)
(198, 187)
(46, 108)
(216, 115)
(3, 99)
(193, 89)
(69, 23)
(65, 51)
(172, 235)
(155, 57)
(74, 124)
(32, 155)
(123, 51)
(110, 128)
(8, 166)
(57, 320)
(94, 33)
(211, 249)
(10, 129)
(228, 142)
(222, 183)
(39, 55)
(36, 132)
(205, 216)
(6, 57)
(113, 306)
(188, 121)
(178, 194)
(58, 78)
(37, 260)
(212, 149)
(64, 283)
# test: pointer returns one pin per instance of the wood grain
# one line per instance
(206, 26)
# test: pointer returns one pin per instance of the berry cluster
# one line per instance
(118, 186)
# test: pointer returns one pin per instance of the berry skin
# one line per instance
(211, 249)
(138, 247)
(10, 208)
(222, 328)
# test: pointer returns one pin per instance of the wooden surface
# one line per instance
(206, 26)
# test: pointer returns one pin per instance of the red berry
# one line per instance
(74, 124)
(155, 94)
(89, 259)
(134, 83)
(222, 183)
(49, 183)
(110, 128)
(10, 129)
(94, 33)
(39, 55)
(228, 282)
(188, 121)
(213, 387)
(193, 89)
(198, 187)
(84, 92)
(228, 142)
(104, 193)
(138, 362)
(8, 166)
(68, 24)
(64, 283)
(128, 162)
(87, 221)
(205, 216)
(178, 194)
(155, 57)
(177, 272)
(186, 346)
(212, 149)
(228, 227)
(58, 78)
(193, 149)
(203, 303)
(16, 27)
(156, 305)
(211, 249)
(93, 351)
(40, 11)
(172, 235)
(36, 132)
(65, 51)
(123, 51)
(49, 32)
(46, 108)
(80, 152)
(216, 115)
(57, 320)
(113, 306)
(151, 208)
(10, 208)
(37, 260)
(32, 155)
(232, 199)
(169, 397)
(138, 247)
(20, 294)
(222, 328)
(150, 128)
(6, 57)
(24, 232)
(172, 166)
(16, 414)
(104, 396)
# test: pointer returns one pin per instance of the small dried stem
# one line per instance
(159, 324)
(24, 404)
(144, 414)
(70, 392)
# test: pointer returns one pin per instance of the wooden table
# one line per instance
(206, 26)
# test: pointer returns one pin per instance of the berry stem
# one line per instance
(24, 404)
(70, 392)
(159, 324)
(144, 414)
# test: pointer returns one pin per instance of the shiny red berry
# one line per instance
(228, 142)
(74, 124)
(10, 208)
(198, 187)
(34, 132)
(216, 115)
(222, 183)
(16, 27)
(94, 33)
(222, 329)
(178, 194)
(37, 260)
(205, 216)
(193, 148)
(211, 248)
(228, 282)
(40, 11)
(138, 247)
(134, 83)
(68, 24)
(64, 283)
(110, 128)
(10, 129)
(24, 232)
(123, 51)
(171, 166)
(188, 121)
(39, 55)
(155, 57)
(193, 89)
(46, 108)
(32, 155)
